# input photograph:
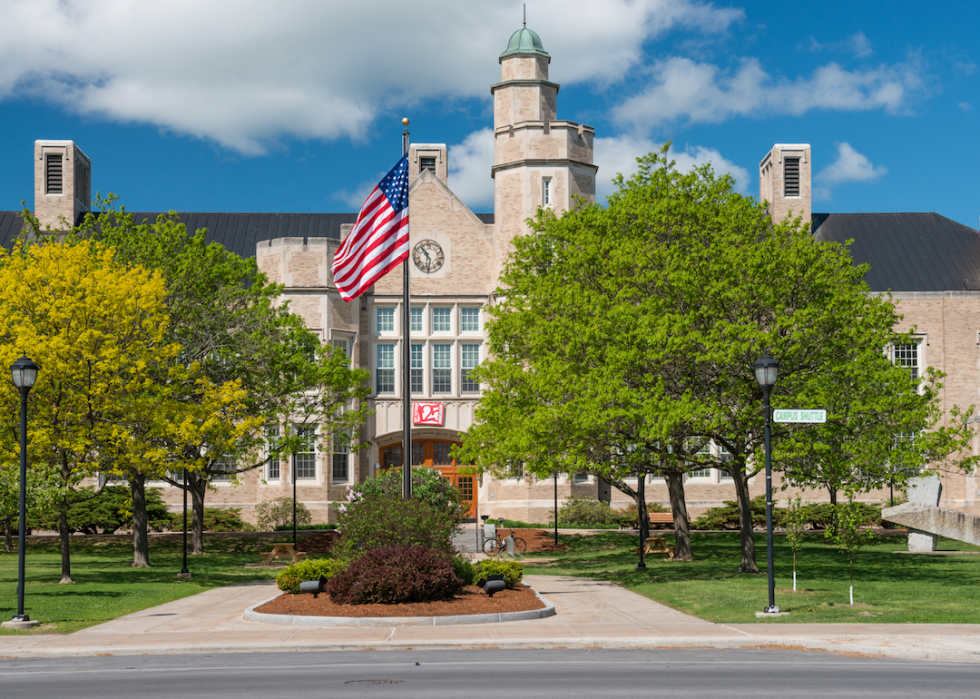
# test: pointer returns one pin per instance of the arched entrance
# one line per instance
(435, 453)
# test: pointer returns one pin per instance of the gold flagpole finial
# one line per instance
(405, 121)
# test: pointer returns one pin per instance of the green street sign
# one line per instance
(799, 415)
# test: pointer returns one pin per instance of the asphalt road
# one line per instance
(490, 674)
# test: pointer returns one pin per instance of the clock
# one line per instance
(428, 256)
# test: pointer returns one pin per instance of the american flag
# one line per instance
(379, 239)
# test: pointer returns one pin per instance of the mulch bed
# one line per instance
(472, 600)
(536, 539)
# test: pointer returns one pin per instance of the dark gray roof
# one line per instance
(907, 252)
(238, 233)
(10, 226)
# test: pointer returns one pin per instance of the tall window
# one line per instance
(469, 320)
(306, 455)
(546, 192)
(341, 457)
(341, 344)
(385, 319)
(469, 358)
(442, 368)
(726, 458)
(272, 438)
(440, 454)
(417, 367)
(442, 320)
(384, 373)
(416, 320)
(907, 355)
(224, 470)
(703, 451)
(418, 453)
(392, 457)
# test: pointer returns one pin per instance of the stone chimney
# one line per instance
(62, 183)
(784, 181)
(428, 156)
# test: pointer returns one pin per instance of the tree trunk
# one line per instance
(678, 507)
(745, 521)
(8, 542)
(643, 519)
(197, 487)
(141, 543)
(65, 538)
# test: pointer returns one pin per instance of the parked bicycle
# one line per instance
(493, 543)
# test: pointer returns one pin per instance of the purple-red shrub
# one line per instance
(394, 574)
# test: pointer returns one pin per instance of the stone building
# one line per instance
(930, 264)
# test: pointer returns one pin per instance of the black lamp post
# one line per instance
(766, 371)
(24, 373)
(184, 573)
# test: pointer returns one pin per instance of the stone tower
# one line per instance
(539, 161)
(62, 183)
(784, 181)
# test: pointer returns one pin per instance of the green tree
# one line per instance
(847, 533)
(247, 352)
(795, 524)
(624, 339)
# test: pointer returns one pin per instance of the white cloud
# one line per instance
(850, 166)
(469, 170)
(248, 75)
(618, 154)
(856, 44)
(682, 90)
(965, 106)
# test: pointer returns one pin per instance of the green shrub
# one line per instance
(290, 578)
(428, 486)
(105, 513)
(272, 514)
(726, 517)
(465, 570)
(380, 522)
(512, 570)
(822, 516)
(216, 519)
(289, 527)
(585, 511)
(395, 574)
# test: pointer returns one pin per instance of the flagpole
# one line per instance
(406, 364)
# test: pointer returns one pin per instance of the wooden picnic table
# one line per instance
(658, 544)
(282, 551)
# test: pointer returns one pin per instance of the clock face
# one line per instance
(428, 256)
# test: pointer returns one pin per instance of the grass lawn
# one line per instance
(888, 587)
(106, 587)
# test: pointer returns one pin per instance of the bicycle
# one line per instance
(493, 544)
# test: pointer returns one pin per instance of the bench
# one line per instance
(282, 551)
(655, 518)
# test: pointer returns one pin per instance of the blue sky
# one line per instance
(296, 106)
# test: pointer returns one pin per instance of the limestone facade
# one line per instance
(539, 161)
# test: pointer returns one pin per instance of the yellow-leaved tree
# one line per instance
(96, 328)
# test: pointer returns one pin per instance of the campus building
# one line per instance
(930, 264)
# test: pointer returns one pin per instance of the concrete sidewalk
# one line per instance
(590, 614)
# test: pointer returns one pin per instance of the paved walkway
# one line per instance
(590, 614)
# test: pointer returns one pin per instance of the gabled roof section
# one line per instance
(907, 252)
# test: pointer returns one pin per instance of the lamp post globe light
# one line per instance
(766, 372)
(24, 374)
